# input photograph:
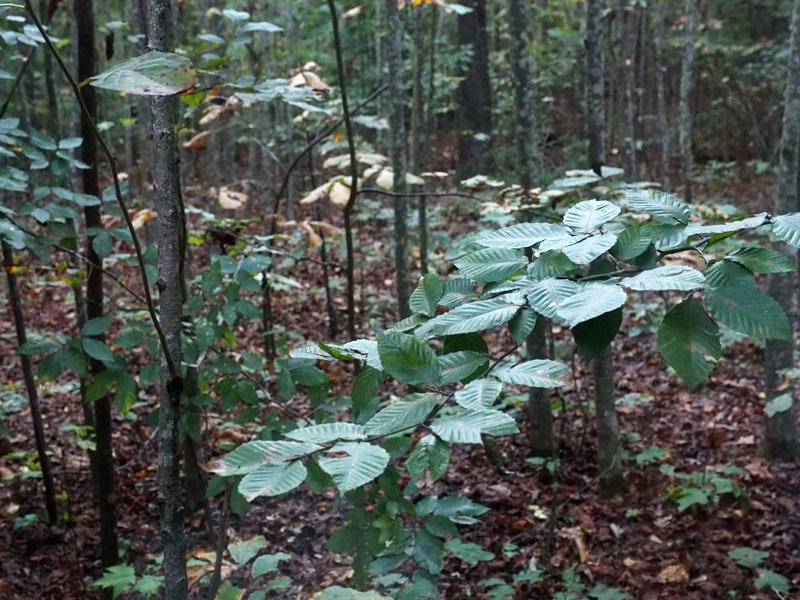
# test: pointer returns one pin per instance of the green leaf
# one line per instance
(585, 250)
(151, 74)
(243, 552)
(522, 235)
(327, 432)
(478, 394)
(747, 310)
(466, 427)
(440, 526)
(101, 384)
(601, 592)
(787, 228)
(471, 554)
(593, 300)
(731, 226)
(408, 359)
(594, 335)
(339, 593)
(251, 455)
(127, 393)
(762, 260)
(590, 215)
(689, 496)
(748, 557)
(96, 326)
(491, 264)
(540, 373)
(266, 563)
(688, 339)
(666, 237)
(547, 296)
(40, 345)
(261, 26)
(366, 350)
(272, 479)
(402, 414)
(457, 291)
(478, 316)
(461, 366)
(773, 580)
(97, 350)
(363, 463)
(632, 242)
(118, 578)
(429, 551)
(430, 454)
(102, 244)
(425, 297)
(662, 207)
(366, 384)
(12, 234)
(669, 277)
(778, 404)
(523, 324)
(228, 591)
(550, 263)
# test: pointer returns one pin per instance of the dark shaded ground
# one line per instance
(653, 553)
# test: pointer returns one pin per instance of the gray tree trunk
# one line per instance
(538, 411)
(661, 102)
(595, 88)
(166, 181)
(630, 24)
(398, 142)
(102, 457)
(474, 95)
(15, 300)
(684, 108)
(608, 456)
(780, 439)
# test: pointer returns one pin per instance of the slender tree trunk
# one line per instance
(102, 458)
(661, 102)
(595, 88)
(49, 82)
(166, 179)
(539, 411)
(609, 462)
(630, 24)
(474, 95)
(15, 300)
(398, 138)
(684, 108)
(780, 429)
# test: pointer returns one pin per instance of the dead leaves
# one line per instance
(230, 199)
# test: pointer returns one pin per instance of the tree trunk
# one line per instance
(630, 24)
(474, 95)
(780, 439)
(684, 113)
(102, 458)
(608, 456)
(15, 300)
(539, 413)
(595, 88)
(661, 102)
(168, 202)
(398, 139)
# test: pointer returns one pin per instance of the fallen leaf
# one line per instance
(143, 216)
(673, 574)
(230, 200)
(196, 141)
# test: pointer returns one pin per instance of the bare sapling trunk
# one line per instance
(608, 451)
(166, 183)
(398, 153)
(780, 433)
(15, 300)
(684, 108)
(661, 102)
(102, 457)
(595, 87)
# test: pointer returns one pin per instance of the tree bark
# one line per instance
(15, 300)
(398, 151)
(780, 434)
(630, 24)
(608, 458)
(661, 102)
(474, 95)
(102, 458)
(166, 181)
(684, 109)
(595, 88)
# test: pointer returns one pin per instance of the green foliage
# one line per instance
(151, 74)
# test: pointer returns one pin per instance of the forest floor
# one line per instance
(553, 521)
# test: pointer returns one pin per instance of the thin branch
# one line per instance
(173, 368)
